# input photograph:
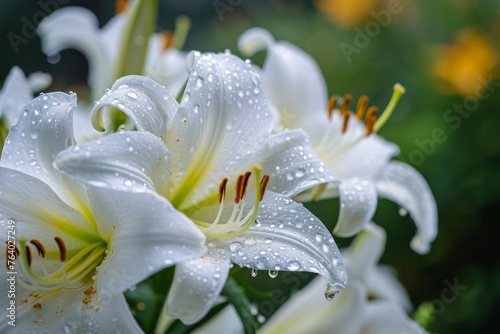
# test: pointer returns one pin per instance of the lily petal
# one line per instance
(285, 237)
(196, 286)
(226, 321)
(383, 284)
(15, 94)
(149, 105)
(78, 28)
(307, 311)
(222, 112)
(39, 133)
(384, 317)
(283, 76)
(358, 201)
(292, 165)
(126, 161)
(403, 185)
(365, 251)
(34, 206)
(69, 311)
(165, 237)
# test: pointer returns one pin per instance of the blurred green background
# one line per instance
(437, 50)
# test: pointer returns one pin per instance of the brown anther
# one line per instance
(62, 248)
(263, 185)
(345, 104)
(238, 187)
(331, 106)
(39, 247)
(246, 177)
(346, 122)
(371, 117)
(28, 255)
(361, 108)
(168, 39)
(222, 189)
(121, 6)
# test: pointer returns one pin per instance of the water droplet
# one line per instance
(254, 273)
(273, 273)
(132, 288)
(132, 95)
(234, 246)
(196, 108)
(293, 265)
(402, 212)
(330, 293)
(128, 183)
(199, 82)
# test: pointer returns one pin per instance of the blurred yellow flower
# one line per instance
(346, 13)
(463, 64)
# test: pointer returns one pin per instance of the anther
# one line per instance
(246, 177)
(370, 119)
(238, 187)
(360, 110)
(39, 247)
(346, 122)
(331, 106)
(121, 6)
(345, 104)
(263, 185)
(28, 255)
(168, 39)
(222, 189)
(62, 248)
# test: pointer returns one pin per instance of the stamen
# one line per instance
(370, 119)
(345, 104)
(121, 6)
(168, 39)
(39, 247)
(346, 122)
(245, 184)
(360, 110)
(396, 95)
(62, 248)
(28, 255)
(263, 185)
(222, 189)
(331, 106)
(239, 185)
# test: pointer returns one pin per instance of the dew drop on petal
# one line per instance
(402, 212)
(330, 293)
(273, 273)
(254, 273)
(132, 95)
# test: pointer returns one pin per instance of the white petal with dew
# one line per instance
(196, 286)
(133, 160)
(403, 185)
(358, 201)
(147, 234)
(292, 165)
(292, 79)
(43, 128)
(149, 105)
(221, 125)
(285, 237)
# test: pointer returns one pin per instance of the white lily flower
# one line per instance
(364, 307)
(78, 28)
(73, 249)
(227, 173)
(352, 151)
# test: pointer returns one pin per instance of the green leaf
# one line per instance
(236, 296)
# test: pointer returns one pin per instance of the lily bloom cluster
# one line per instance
(202, 184)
